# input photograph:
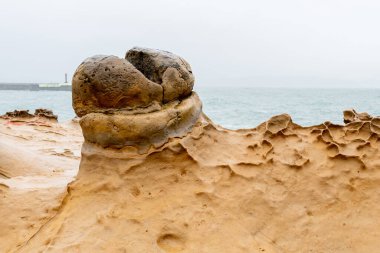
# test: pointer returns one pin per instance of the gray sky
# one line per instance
(281, 43)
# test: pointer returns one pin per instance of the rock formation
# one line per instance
(157, 175)
(352, 116)
(172, 72)
(18, 114)
(24, 114)
(145, 77)
(46, 113)
(139, 101)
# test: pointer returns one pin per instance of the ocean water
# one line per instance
(231, 107)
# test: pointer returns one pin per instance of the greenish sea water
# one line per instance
(232, 107)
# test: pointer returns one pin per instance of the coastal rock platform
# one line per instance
(162, 177)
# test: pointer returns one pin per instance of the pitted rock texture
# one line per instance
(169, 70)
(276, 188)
(147, 76)
(108, 82)
(351, 116)
(140, 101)
(19, 114)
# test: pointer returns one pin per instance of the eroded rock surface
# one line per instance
(163, 178)
(18, 114)
(142, 130)
(169, 70)
(278, 188)
(38, 158)
(46, 113)
(104, 83)
(351, 116)
(24, 115)
(139, 101)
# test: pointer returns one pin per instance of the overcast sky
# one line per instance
(277, 43)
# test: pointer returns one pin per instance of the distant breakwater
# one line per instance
(35, 86)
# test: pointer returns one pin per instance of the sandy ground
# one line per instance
(275, 188)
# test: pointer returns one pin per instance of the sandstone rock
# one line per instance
(275, 188)
(139, 101)
(278, 123)
(45, 113)
(108, 82)
(165, 68)
(144, 129)
(351, 116)
(18, 114)
(25, 115)
(375, 125)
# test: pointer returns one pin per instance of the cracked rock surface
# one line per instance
(169, 70)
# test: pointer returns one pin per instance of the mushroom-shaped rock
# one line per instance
(108, 82)
(165, 68)
(141, 101)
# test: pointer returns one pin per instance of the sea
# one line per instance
(232, 107)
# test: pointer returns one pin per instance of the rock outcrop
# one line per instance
(140, 101)
(103, 83)
(159, 176)
(278, 187)
(147, 76)
(352, 116)
(39, 113)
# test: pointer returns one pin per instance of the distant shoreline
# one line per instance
(36, 86)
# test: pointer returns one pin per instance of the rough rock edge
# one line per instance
(171, 71)
(144, 77)
(351, 116)
(142, 131)
(109, 82)
(40, 112)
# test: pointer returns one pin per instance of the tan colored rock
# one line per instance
(144, 129)
(352, 116)
(140, 101)
(108, 82)
(375, 125)
(278, 123)
(165, 68)
(276, 188)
